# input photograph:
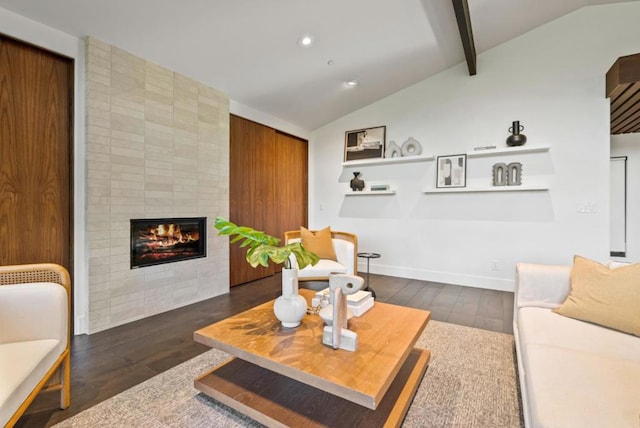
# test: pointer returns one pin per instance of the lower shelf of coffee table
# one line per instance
(278, 401)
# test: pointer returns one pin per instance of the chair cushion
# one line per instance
(318, 242)
(22, 367)
(322, 269)
(608, 297)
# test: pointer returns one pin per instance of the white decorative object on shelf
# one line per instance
(411, 147)
(392, 151)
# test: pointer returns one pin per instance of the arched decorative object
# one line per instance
(500, 174)
(514, 176)
(411, 147)
(393, 151)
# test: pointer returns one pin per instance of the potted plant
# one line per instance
(289, 308)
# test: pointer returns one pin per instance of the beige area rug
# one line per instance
(470, 382)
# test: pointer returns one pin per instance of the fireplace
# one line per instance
(166, 240)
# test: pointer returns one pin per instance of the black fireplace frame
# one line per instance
(140, 258)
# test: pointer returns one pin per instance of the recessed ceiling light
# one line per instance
(352, 83)
(305, 40)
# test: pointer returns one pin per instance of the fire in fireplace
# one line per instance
(166, 240)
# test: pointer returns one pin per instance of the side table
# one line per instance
(369, 256)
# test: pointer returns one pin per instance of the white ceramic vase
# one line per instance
(291, 307)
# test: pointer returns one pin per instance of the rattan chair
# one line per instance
(57, 377)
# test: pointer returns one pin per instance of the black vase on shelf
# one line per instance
(516, 138)
(356, 183)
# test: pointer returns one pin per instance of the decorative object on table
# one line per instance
(356, 183)
(369, 256)
(326, 314)
(411, 147)
(514, 174)
(289, 308)
(452, 171)
(337, 335)
(367, 143)
(516, 138)
(500, 174)
(393, 150)
(379, 187)
(358, 302)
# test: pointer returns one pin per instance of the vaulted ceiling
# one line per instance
(248, 48)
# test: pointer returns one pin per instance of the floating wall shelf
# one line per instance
(388, 161)
(508, 150)
(369, 192)
(486, 189)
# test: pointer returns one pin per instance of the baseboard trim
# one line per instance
(475, 281)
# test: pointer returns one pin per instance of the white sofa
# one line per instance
(572, 373)
(345, 246)
(34, 336)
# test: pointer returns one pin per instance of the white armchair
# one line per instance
(34, 336)
(345, 246)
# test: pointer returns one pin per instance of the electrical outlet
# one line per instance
(587, 207)
(494, 265)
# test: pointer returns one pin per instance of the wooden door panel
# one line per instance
(35, 155)
(268, 187)
(250, 190)
(291, 175)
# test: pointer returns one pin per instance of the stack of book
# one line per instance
(359, 302)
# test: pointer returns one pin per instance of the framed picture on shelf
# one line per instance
(367, 143)
(451, 171)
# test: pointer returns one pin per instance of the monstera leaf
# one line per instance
(262, 247)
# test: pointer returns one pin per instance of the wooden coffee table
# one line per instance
(287, 377)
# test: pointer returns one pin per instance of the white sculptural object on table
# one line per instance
(337, 335)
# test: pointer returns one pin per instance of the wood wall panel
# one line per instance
(268, 187)
(291, 172)
(35, 155)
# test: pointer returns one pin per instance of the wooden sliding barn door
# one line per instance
(36, 90)
(268, 187)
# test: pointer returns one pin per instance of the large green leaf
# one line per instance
(262, 247)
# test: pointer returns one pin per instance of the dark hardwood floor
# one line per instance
(107, 363)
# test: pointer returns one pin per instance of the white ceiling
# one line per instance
(248, 49)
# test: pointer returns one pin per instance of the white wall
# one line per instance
(552, 80)
(267, 119)
(629, 145)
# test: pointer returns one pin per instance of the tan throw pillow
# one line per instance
(318, 242)
(608, 297)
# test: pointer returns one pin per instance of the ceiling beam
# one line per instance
(461, 8)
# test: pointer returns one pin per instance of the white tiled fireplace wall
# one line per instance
(157, 146)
